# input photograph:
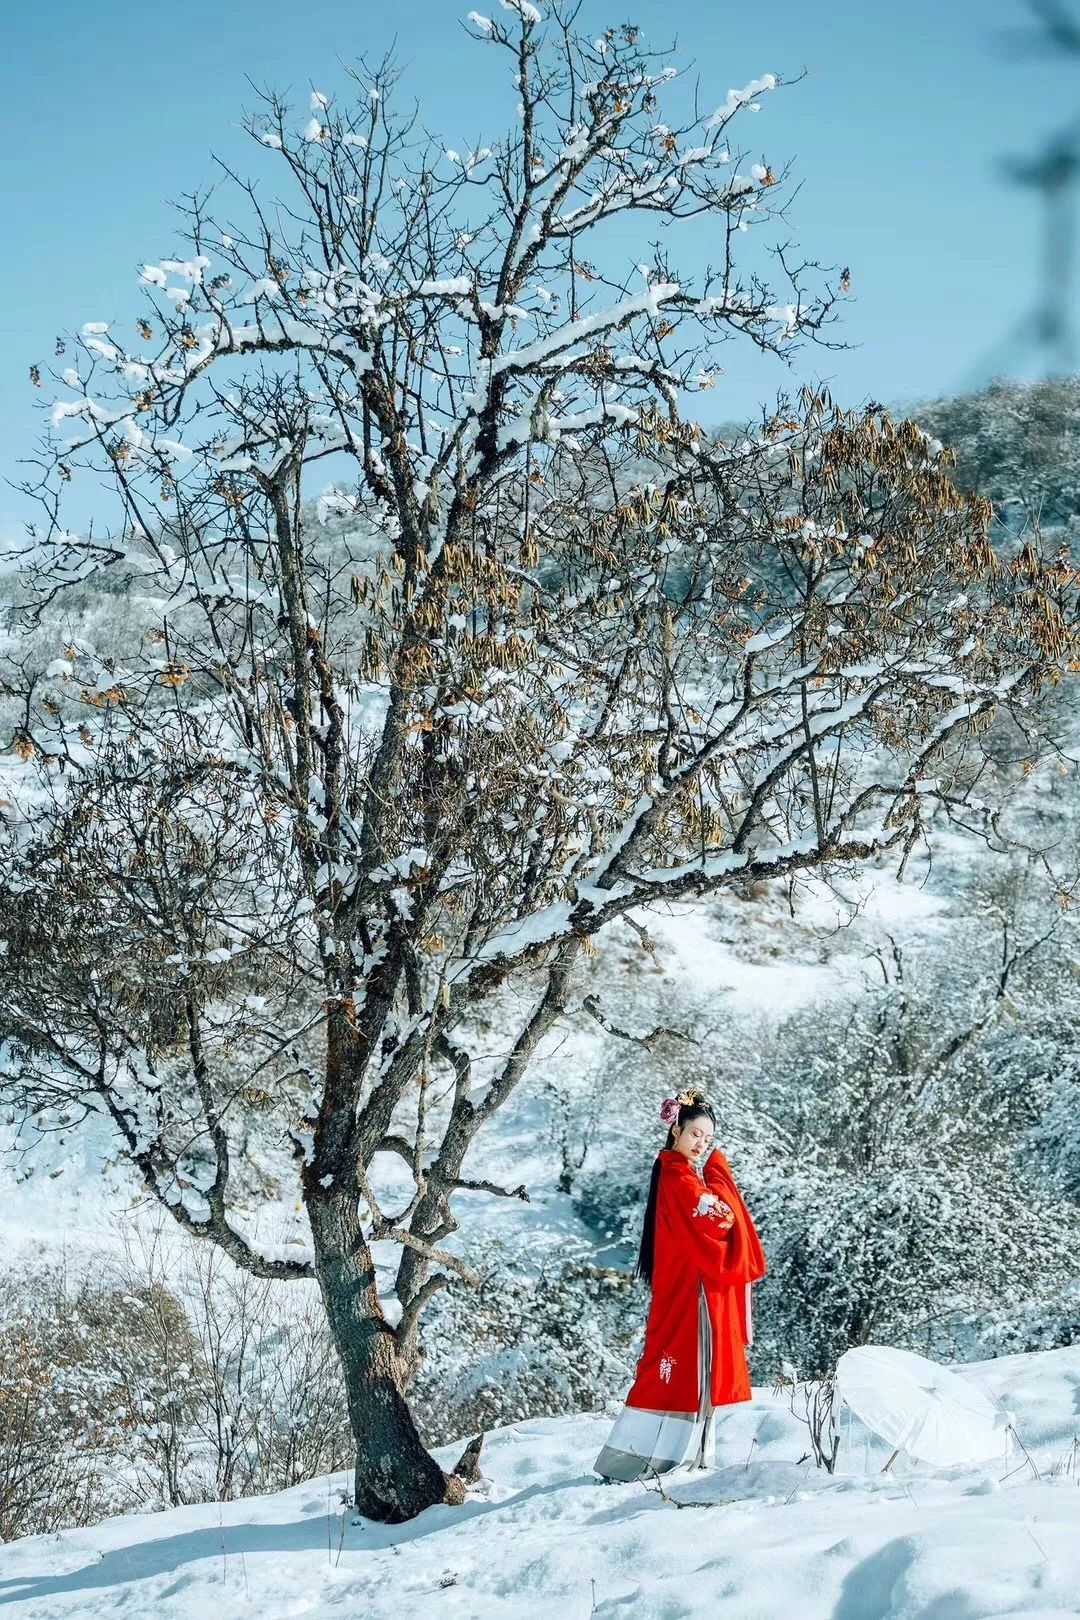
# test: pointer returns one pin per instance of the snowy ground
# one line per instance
(760, 1537)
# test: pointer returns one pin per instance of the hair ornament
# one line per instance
(669, 1108)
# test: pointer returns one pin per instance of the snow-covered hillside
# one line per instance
(764, 1536)
(63, 1192)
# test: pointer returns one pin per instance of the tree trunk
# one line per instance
(395, 1476)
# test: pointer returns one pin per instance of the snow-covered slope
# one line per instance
(762, 1537)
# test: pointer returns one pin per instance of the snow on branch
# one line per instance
(647, 302)
(741, 98)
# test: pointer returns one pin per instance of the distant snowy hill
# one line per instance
(762, 1537)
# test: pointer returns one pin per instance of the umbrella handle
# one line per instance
(891, 1460)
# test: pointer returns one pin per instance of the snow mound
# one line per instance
(762, 1536)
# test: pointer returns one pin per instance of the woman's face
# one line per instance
(694, 1138)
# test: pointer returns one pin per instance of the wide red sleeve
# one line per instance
(678, 1199)
(717, 1172)
(747, 1254)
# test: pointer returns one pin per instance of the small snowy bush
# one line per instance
(122, 1391)
(546, 1333)
(884, 1145)
(86, 1391)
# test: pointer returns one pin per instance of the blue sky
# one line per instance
(110, 107)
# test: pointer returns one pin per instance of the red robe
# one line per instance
(690, 1252)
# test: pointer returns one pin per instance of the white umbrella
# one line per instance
(928, 1411)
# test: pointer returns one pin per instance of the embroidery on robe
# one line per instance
(667, 1367)
(710, 1204)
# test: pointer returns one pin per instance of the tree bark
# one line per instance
(395, 1476)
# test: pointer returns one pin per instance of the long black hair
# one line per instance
(696, 1108)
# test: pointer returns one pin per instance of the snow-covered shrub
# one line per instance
(47, 1472)
(1054, 1325)
(120, 1391)
(129, 1350)
(87, 1397)
(605, 1121)
(265, 1404)
(272, 1409)
(1056, 1134)
(1035, 1062)
(892, 1191)
(548, 1332)
(1017, 444)
(884, 1144)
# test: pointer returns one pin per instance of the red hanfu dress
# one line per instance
(699, 1321)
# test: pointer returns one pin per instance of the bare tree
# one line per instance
(545, 653)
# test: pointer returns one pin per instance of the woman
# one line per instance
(699, 1254)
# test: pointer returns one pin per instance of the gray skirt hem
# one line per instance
(643, 1443)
